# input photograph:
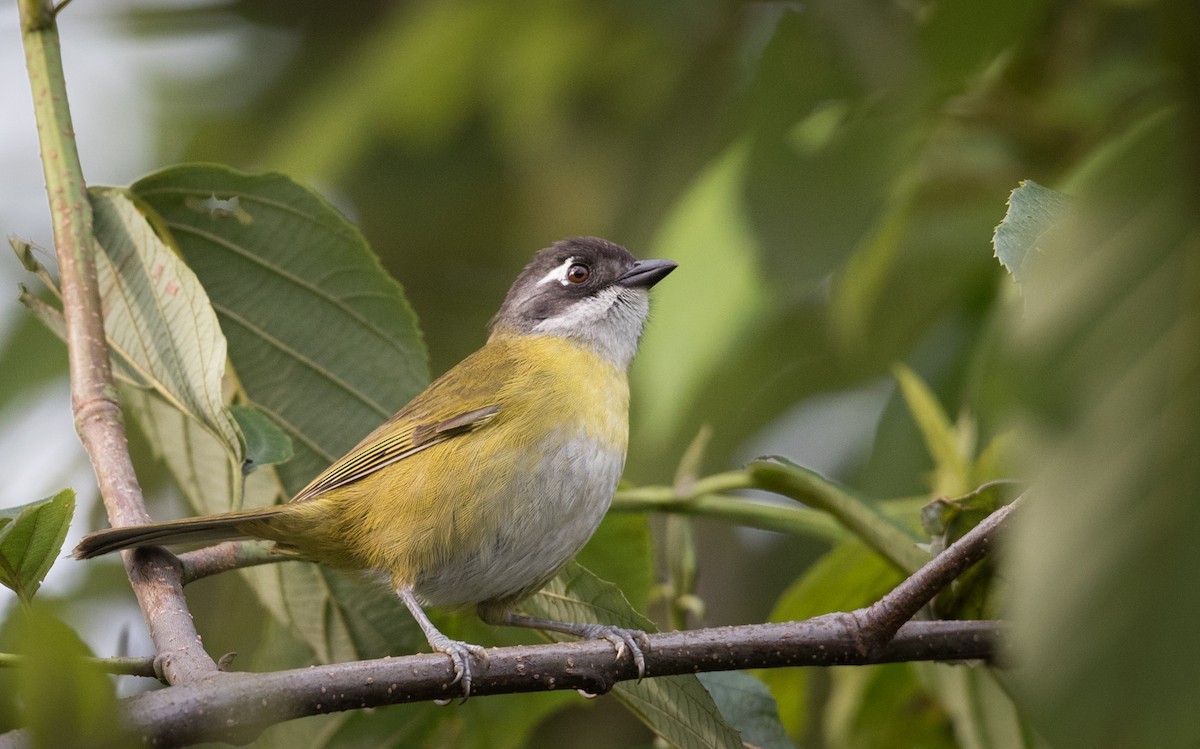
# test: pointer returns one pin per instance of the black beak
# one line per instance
(646, 273)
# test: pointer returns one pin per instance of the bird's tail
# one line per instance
(228, 526)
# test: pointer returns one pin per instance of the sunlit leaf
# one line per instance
(707, 233)
(31, 538)
(945, 443)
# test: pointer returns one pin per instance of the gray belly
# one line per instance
(547, 517)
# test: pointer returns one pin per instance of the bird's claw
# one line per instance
(461, 654)
(633, 640)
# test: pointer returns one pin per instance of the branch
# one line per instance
(155, 576)
(236, 707)
(875, 625)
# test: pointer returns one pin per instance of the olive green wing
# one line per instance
(462, 400)
(393, 442)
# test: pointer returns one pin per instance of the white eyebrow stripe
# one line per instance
(558, 274)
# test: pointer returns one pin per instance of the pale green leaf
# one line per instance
(677, 708)
(197, 460)
(1033, 212)
(31, 538)
(158, 318)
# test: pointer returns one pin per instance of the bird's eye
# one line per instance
(578, 273)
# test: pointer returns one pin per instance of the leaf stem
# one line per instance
(860, 517)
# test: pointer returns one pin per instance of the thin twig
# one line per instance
(213, 560)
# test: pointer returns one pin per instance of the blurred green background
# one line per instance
(827, 174)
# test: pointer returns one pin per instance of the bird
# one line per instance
(491, 479)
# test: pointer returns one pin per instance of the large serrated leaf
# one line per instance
(31, 537)
(322, 339)
(158, 318)
(678, 708)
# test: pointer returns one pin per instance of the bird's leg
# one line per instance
(460, 652)
(633, 640)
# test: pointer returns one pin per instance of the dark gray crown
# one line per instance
(533, 299)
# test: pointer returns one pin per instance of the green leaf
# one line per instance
(266, 443)
(848, 577)
(746, 703)
(31, 538)
(620, 552)
(677, 708)
(158, 318)
(66, 700)
(949, 447)
(1033, 212)
(1105, 578)
(710, 237)
(322, 339)
(979, 704)
(885, 707)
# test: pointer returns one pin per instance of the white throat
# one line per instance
(610, 322)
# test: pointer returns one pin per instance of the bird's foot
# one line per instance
(460, 654)
(633, 640)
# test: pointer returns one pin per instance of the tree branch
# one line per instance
(878, 623)
(155, 575)
(236, 707)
